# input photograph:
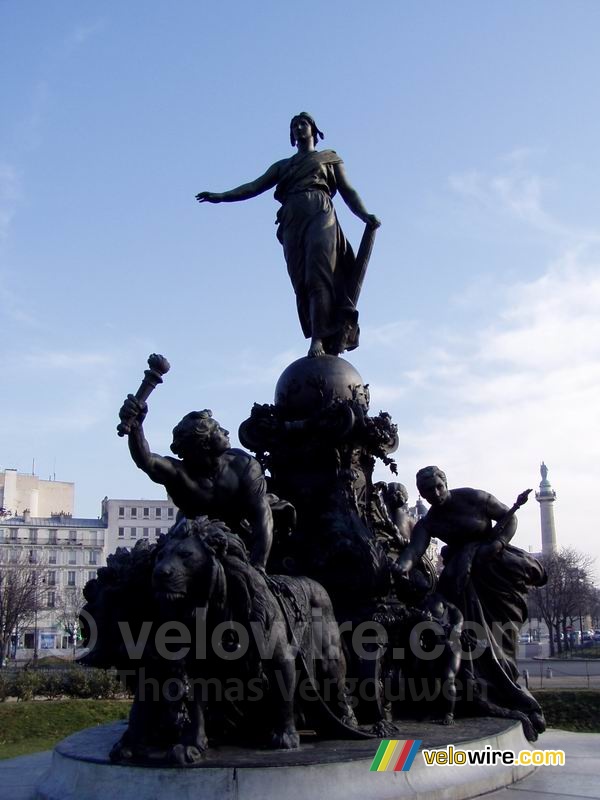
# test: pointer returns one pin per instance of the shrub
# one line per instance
(77, 683)
(6, 685)
(26, 684)
(73, 681)
(104, 685)
(52, 684)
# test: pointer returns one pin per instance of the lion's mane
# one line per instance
(239, 590)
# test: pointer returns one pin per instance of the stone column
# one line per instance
(546, 497)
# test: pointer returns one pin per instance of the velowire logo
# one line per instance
(395, 755)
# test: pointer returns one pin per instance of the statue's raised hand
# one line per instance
(372, 221)
(133, 411)
(209, 197)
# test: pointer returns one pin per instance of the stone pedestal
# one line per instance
(334, 769)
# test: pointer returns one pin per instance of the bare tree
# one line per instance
(19, 596)
(67, 607)
(567, 596)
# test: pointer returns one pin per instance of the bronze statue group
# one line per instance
(314, 537)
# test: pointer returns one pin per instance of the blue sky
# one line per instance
(471, 129)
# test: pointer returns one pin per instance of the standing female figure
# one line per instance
(320, 262)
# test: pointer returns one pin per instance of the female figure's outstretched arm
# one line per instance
(247, 190)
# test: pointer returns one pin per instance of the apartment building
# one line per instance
(59, 553)
(129, 520)
(22, 492)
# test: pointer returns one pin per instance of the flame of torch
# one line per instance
(158, 366)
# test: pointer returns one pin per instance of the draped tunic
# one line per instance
(320, 261)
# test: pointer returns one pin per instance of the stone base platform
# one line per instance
(338, 770)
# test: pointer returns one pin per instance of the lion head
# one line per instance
(201, 563)
(185, 555)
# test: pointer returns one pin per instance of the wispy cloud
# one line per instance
(30, 127)
(526, 389)
(522, 155)
(494, 401)
(62, 360)
(84, 31)
(391, 334)
(58, 391)
(518, 192)
(10, 194)
(251, 368)
(12, 307)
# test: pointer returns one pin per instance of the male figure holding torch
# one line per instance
(208, 476)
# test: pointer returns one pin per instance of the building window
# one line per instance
(33, 535)
(72, 537)
(92, 574)
(72, 556)
(134, 512)
(1, 534)
(71, 577)
(145, 532)
(92, 557)
(133, 533)
(51, 599)
(121, 512)
(13, 556)
(51, 578)
(33, 556)
(170, 513)
(51, 537)
(13, 535)
(158, 512)
(146, 512)
(52, 557)
(28, 641)
(121, 533)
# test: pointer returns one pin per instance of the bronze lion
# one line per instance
(225, 650)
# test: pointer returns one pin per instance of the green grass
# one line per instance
(33, 726)
(571, 709)
(37, 725)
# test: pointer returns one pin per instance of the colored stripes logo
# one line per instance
(395, 755)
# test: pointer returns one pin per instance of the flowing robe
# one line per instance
(320, 262)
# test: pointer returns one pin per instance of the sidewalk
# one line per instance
(19, 776)
(579, 778)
